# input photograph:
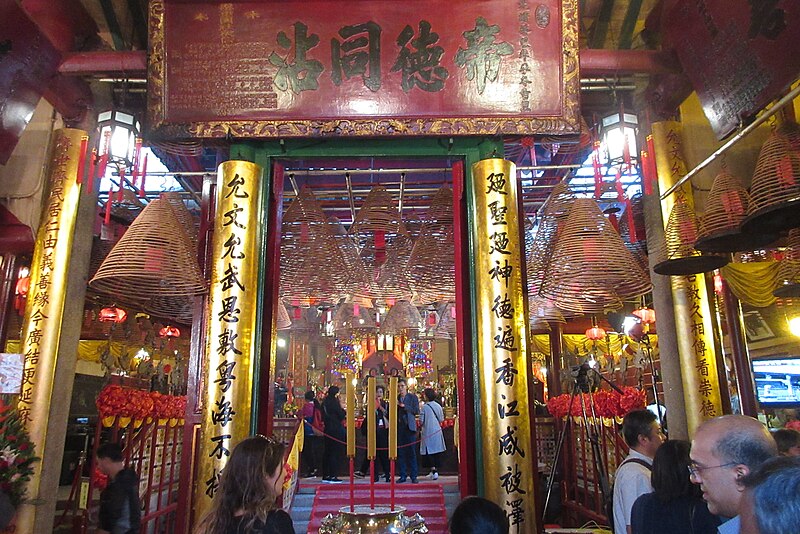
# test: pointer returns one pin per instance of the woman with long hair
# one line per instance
(250, 485)
(675, 505)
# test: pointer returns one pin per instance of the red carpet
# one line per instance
(426, 500)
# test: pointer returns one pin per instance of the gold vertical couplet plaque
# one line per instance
(508, 457)
(41, 326)
(230, 367)
(692, 306)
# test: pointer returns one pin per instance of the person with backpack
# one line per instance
(643, 434)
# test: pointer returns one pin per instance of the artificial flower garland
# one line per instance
(607, 403)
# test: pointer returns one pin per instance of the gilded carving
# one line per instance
(156, 65)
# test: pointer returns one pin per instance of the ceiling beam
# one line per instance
(133, 63)
(629, 24)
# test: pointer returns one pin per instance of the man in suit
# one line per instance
(408, 406)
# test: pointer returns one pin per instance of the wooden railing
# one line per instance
(581, 493)
(153, 450)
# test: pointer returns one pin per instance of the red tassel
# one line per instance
(631, 223)
(136, 161)
(90, 174)
(107, 219)
(598, 174)
(651, 150)
(82, 159)
(142, 177)
(618, 185)
(101, 166)
(647, 176)
(121, 183)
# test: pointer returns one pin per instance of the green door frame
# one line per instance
(268, 154)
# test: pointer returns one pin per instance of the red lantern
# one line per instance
(596, 333)
(113, 315)
(169, 331)
(646, 315)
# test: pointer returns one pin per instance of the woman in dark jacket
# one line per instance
(676, 505)
(335, 435)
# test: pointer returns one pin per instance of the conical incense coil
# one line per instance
(154, 258)
(775, 188)
(726, 208)
(590, 268)
(680, 235)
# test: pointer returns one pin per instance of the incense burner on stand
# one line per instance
(367, 520)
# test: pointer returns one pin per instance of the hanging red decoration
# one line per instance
(596, 333)
(718, 284)
(646, 315)
(169, 331)
(112, 315)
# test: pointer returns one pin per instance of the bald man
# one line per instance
(725, 450)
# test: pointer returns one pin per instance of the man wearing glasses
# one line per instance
(724, 450)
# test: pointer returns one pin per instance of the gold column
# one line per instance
(692, 307)
(228, 375)
(41, 326)
(502, 333)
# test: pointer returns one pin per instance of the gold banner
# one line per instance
(228, 378)
(502, 335)
(692, 306)
(41, 326)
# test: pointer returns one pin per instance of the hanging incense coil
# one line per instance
(391, 281)
(542, 309)
(590, 270)
(789, 267)
(379, 213)
(775, 188)
(446, 326)
(680, 236)
(189, 222)
(401, 318)
(542, 312)
(358, 280)
(311, 262)
(282, 321)
(726, 208)
(378, 228)
(176, 309)
(350, 316)
(154, 258)
(553, 214)
(431, 265)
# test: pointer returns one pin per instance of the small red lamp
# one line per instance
(170, 332)
(646, 315)
(112, 314)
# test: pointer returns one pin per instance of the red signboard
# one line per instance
(363, 67)
(739, 54)
(27, 63)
